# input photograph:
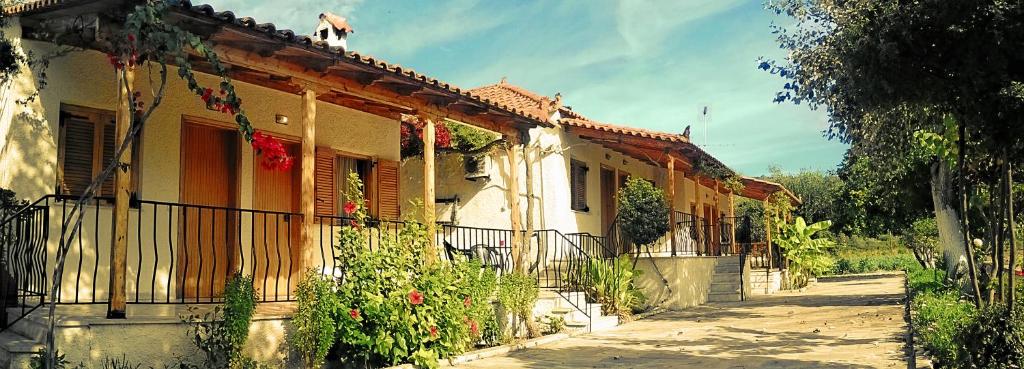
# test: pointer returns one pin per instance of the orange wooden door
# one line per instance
(209, 182)
(607, 199)
(276, 245)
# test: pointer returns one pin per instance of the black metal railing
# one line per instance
(23, 235)
(554, 259)
(492, 246)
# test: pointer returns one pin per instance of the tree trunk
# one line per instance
(948, 221)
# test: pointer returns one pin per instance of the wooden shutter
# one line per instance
(578, 184)
(387, 190)
(78, 154)
(325, 189)
(108, 151)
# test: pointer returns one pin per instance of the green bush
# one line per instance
(873, 263)
(314, 318)
(938, 319)
(517, 293)
(221, 334)
(643, 211)
(994, 338)
(394, 307)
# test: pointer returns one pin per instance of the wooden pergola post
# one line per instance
(768, 234)
(512, 153)
(429, 197)
(671, 190)
(117, 306)
(732, 216)
(307, 194)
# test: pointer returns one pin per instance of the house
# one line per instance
(192, 204)
(579, 165)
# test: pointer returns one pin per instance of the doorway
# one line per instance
(277, 234)
(209, 185)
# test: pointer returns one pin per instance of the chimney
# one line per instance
(333, 29)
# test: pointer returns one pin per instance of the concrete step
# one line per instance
(733, 278)
(724, 297)
(598, 323)
(724, 288)
(16, 350)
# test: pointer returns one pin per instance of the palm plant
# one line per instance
(808, 256)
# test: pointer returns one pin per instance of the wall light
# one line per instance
(281, 119)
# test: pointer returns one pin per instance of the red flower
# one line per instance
(474, 328)
(131, 37)
(1019, 272)
(415, 297)
(468, 301)
(273, 153)
(350, 207)
(354, 314)
(433, 331)
(353, 223)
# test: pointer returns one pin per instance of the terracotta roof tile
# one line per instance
(270, 30)
(516, 97)
(632, 131)
(337, 21)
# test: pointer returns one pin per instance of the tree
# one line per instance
(643, 211)
(817, 190)
(887, 69)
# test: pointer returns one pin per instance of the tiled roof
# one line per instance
(504, 93)
(632, 131)
(270, 31)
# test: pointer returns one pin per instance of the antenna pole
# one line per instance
(704, 119)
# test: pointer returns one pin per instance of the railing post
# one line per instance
(122, 182)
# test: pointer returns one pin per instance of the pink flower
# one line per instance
(474, 328)
(468, 301)
(433, 331)
(352, 223)
(415, 297)
(350, 207)
(354, 314)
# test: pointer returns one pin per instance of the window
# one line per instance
(87, 146)
(380, 183)
(578, 185)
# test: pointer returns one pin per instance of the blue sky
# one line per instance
(643, 63)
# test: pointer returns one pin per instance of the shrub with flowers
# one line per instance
(393, 307)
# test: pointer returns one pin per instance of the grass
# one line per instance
(856, 255)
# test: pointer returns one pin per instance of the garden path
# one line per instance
(848, 322)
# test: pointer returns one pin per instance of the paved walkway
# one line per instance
(853, 322)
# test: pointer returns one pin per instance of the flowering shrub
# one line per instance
(396, 308)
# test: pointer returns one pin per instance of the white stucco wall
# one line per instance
(483, 203)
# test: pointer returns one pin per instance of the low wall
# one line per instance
(156, 340)
(688, 278)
